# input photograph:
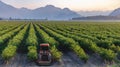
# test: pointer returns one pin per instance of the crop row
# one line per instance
(53, 43)
(107, 44)
(32, 44)
(8, 35)
(13, 44)
(68, 43)
(88, 45)
(9, 29)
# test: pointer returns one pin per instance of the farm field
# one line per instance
(72, 44)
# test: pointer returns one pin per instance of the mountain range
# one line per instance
(50, 12)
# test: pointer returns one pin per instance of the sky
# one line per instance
(76, 5)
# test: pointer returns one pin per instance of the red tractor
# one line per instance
(44, 56)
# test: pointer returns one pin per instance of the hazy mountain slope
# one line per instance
(94, 13)
(116, 12)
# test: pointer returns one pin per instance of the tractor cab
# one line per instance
(44, 55)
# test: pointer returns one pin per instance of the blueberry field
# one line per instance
(72, 44)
